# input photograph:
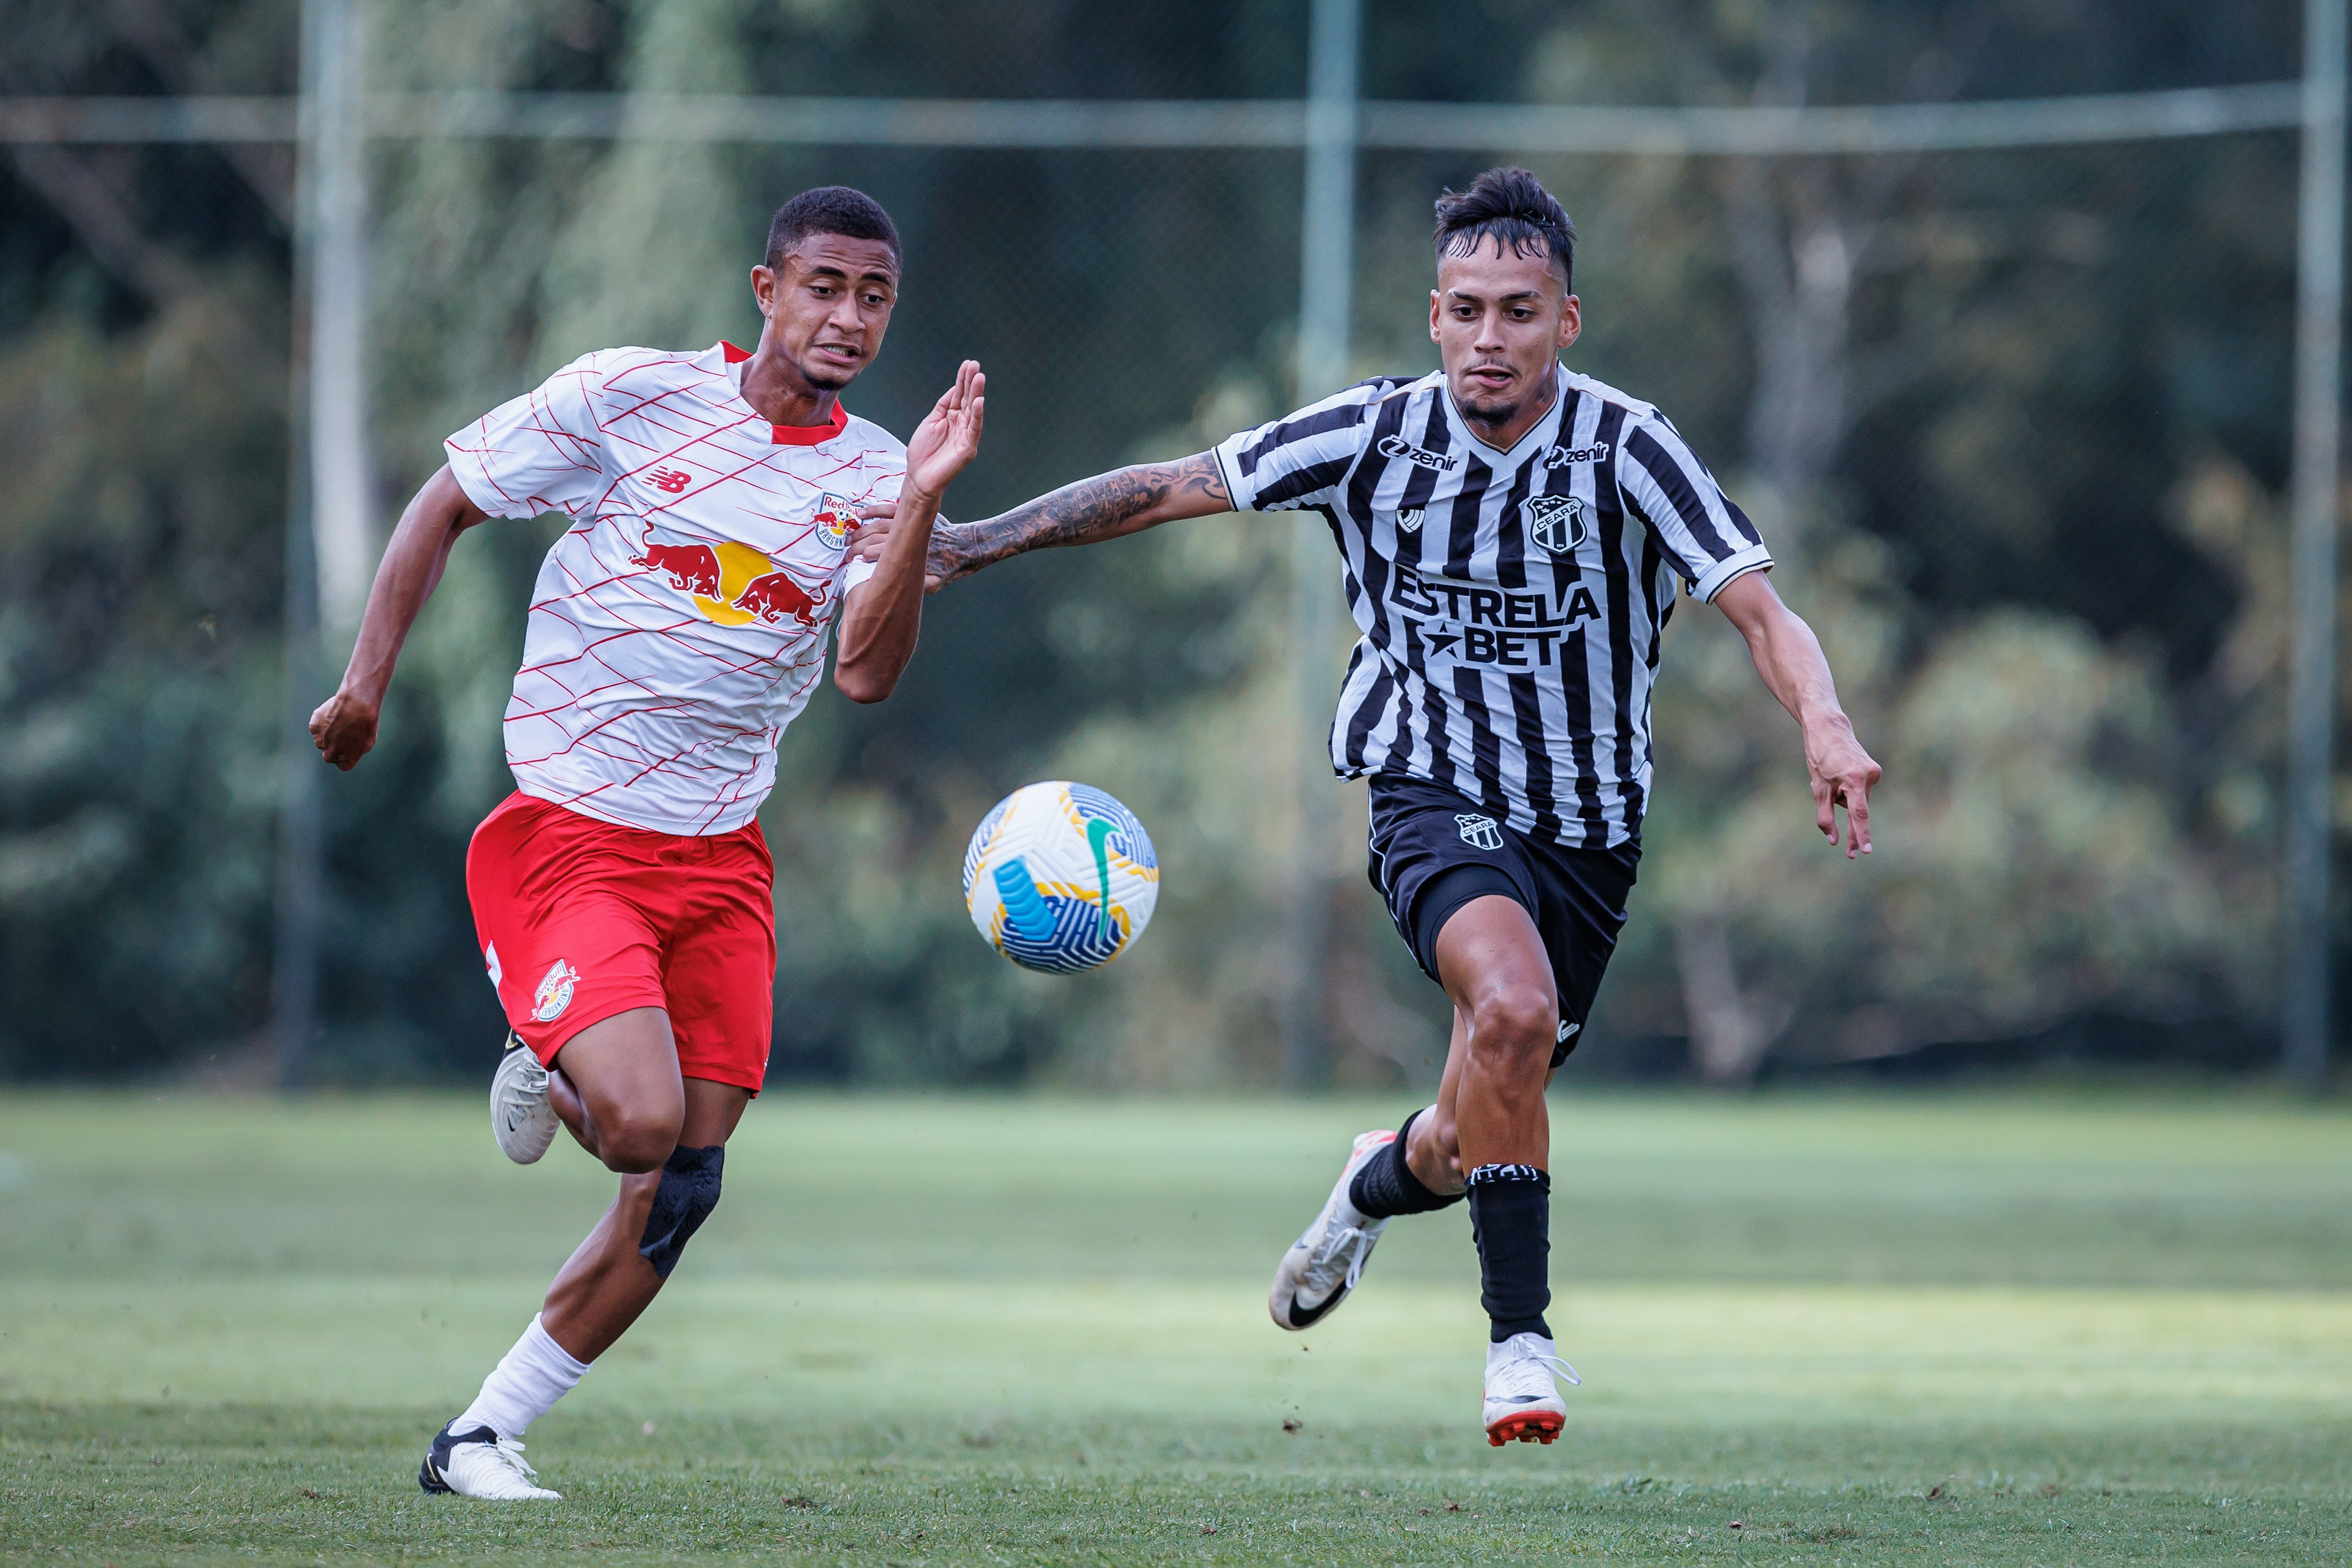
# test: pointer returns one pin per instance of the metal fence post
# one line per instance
(329, 543)
(1325, 295)
(2311, 701)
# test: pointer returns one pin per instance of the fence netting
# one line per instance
(2016, 424)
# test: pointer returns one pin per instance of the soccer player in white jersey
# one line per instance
(622, 895)
(1511, 533)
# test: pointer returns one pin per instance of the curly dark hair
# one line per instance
(830, 210)
(1511, 207)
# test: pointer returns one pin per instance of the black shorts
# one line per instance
(1433, 850)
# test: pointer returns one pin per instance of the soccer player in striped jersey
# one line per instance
(1511, 534)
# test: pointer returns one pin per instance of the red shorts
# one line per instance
(580, 920)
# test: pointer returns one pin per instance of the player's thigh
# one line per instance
(712, 1110)
(625, 1069)
(719, 971)
(1490, 955)
(566, 946)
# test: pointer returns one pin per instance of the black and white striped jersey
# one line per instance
(1510, 602)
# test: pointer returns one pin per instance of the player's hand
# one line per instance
(949, 435)
(343, 728)
(1842, 774)
(875, 521)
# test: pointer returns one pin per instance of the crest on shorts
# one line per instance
(1479, 833)
(554, 993)
(1555, 522)
(834, 519)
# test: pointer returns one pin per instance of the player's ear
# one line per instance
(1572, 320)
(764, 288)
(1432, 314)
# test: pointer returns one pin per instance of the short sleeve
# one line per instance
(886, 486)
(1299, 460)
(1709, 540)
(543, 452)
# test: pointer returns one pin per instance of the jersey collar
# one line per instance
(784, 434)
(1540, 435)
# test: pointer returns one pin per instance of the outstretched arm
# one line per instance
(883, 615)
(1789, 656)
(1124, 501)
(344, 727)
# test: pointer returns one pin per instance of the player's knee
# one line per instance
(689, 1191)
(634, 1142)
(1514, 1025)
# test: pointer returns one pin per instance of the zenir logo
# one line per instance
(1398, 446)
(1563, 456)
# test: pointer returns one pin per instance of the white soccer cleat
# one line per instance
(519, 1112)
(1522, 1400)
(480, 1463)
(1323, 1265)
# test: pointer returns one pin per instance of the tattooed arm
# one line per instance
(1124, 501)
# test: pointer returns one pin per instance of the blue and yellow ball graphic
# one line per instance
(1060, 877)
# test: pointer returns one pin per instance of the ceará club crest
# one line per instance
(1555, 522)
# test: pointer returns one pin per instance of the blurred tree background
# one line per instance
(2016, 424)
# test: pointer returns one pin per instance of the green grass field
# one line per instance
(2074, 1328)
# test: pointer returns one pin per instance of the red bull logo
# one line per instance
(693, 569)
(775, 596)
(732, 584)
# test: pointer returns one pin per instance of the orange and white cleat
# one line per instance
(1523, 1403)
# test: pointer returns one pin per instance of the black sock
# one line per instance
(1510, 1217)
(1386, 1186)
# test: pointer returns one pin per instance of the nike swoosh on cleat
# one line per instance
(1308, 1317)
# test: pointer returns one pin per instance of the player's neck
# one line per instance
(774, 388)
(1505, 435)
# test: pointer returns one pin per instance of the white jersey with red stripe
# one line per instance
(679, 625)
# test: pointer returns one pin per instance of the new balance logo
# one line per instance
(671, 480)
(1398, 446)
(1479, 833)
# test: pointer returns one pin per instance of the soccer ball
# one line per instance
(1060, 877)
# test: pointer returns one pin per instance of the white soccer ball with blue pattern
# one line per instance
(1060, 877)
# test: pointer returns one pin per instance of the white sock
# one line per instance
(525, 1384)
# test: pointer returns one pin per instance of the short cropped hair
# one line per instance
(1511, 207)
(830, 210)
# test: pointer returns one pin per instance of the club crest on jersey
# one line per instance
(1409, 519)
(554, 993)
(1555, 522)
(1479, 833)
(1419, 457)
(834, 519)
